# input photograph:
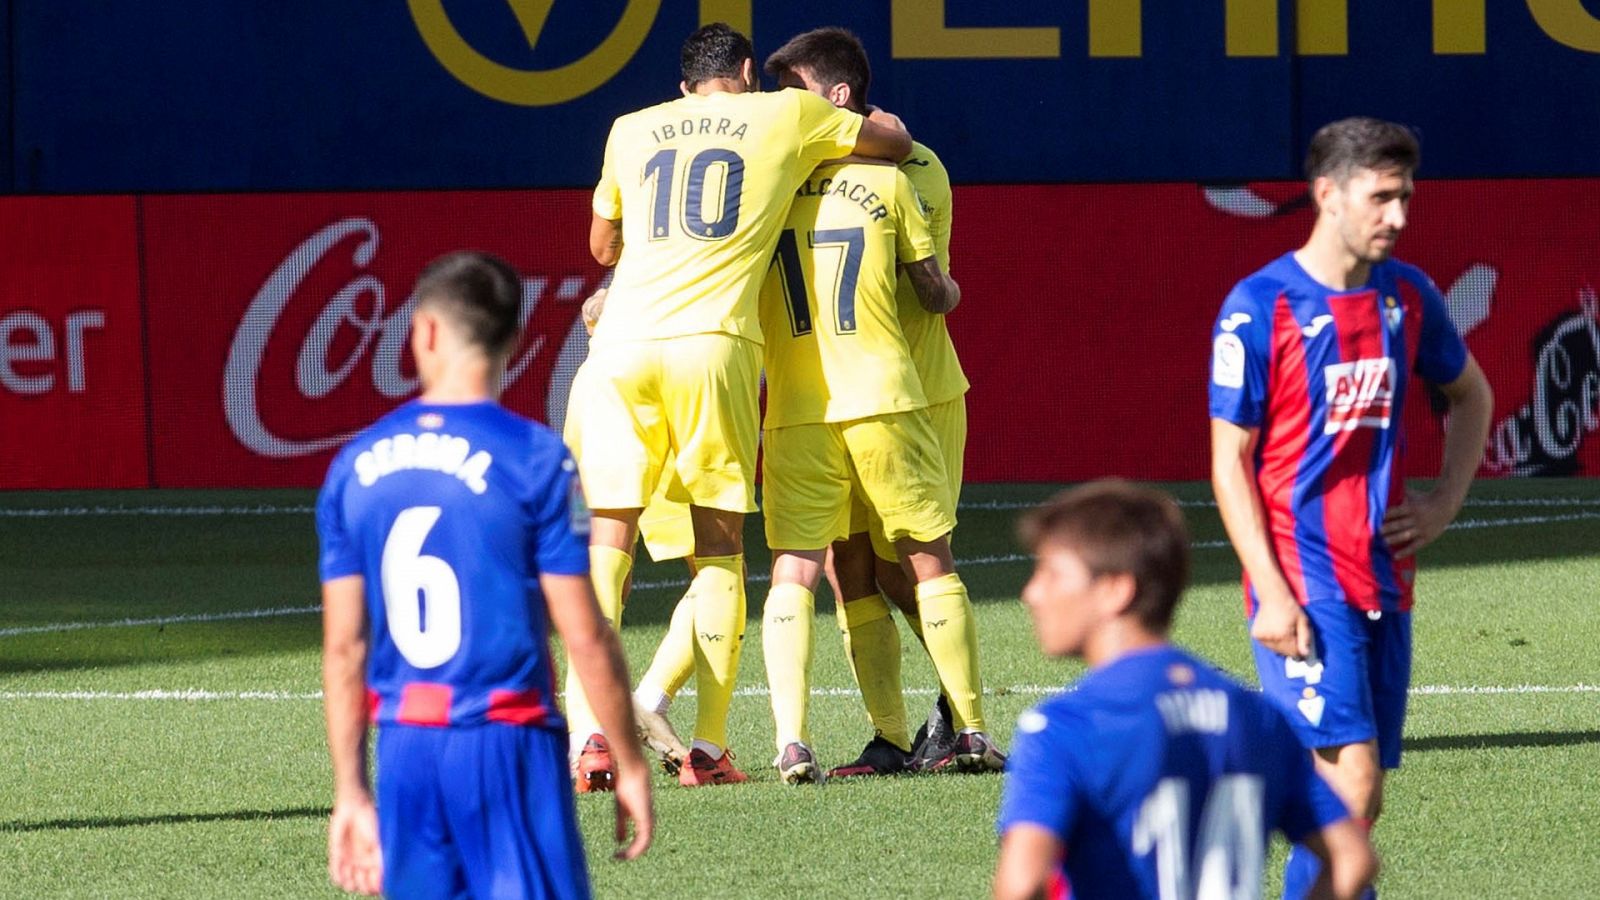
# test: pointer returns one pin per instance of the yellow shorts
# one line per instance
(950, 427)
(664, 525)
(892, 461)
(686, 405)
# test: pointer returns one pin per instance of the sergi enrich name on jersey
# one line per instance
(863, 196)
(430, 450)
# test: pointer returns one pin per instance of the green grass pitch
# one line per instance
(216, 784)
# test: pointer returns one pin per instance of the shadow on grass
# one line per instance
(1512, 740)
(241, 815)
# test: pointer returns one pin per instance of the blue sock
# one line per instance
(1300, 874)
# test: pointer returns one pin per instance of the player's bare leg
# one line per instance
(786, 641)
(612, 533)
(950, 633)
(718, 599)
(1355, 773)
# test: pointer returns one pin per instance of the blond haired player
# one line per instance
(690, 202)
(832, 63)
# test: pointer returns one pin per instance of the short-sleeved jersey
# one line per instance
(1324, 375)
(931, 348)
(1155, 764)
(835, 350)
(702, 184)
(451, 513)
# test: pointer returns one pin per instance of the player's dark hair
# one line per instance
(1117, 527)
(715, 51)
(833, 56)
(1339, 148)
(480, 293)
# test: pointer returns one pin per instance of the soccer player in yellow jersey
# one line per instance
(691, 200)
(845, 410)
(832, 63)
(665, 530)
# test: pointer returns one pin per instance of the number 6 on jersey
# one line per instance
(421, 594)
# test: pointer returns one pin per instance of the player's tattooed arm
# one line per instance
(936, 291)
(605, 240)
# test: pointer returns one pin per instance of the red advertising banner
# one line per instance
(279, 322)
(72, 390)
(1087, 310)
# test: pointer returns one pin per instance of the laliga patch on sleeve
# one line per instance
(1227, 361)
(577, 509)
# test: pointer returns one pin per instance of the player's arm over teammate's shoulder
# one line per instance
(830, 132)
(936, 291)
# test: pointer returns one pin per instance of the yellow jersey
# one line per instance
(931, 347)
(835, 350)
(702, 185)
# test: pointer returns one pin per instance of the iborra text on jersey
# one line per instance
(841, 187)
(700, 126)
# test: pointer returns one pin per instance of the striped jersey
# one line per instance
(1324, 375)
(451, 513)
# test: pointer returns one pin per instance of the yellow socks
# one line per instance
(673, 665)
(608, 569)
(872, 644)
(951, 633)
(786, 644)
(717, 598)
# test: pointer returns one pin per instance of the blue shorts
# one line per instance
(1354, 689)
(477, 812)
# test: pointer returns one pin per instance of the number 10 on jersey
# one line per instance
(694, 219)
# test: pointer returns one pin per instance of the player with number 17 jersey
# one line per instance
(1154, 770)
(460, 508)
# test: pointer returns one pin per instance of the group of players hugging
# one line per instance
(802, 233)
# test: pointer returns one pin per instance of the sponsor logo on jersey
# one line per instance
(1317, 324)
(1360, 394)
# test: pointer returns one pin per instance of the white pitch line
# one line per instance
(162, 620)
(756, 577)
(271, 509)
(192, 695)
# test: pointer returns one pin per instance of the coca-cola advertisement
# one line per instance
(72, 391)
(1086, 315)
(277, 324)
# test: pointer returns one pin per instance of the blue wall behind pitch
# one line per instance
(182, 96)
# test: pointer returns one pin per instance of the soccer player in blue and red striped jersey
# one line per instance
(1313, 360)
(1156, 776)
(453, 536)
